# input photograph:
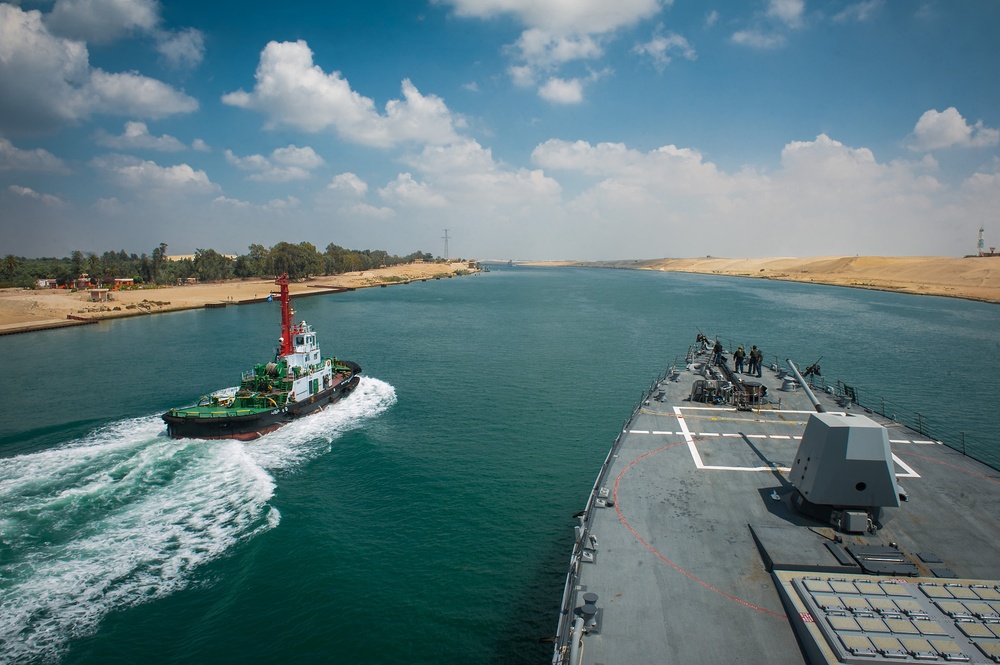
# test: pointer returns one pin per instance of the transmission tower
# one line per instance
(446, 254)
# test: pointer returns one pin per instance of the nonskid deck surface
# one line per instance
(692, 513)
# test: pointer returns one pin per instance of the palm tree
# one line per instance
(10, 266)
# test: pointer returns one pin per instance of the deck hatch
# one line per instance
(858, 619)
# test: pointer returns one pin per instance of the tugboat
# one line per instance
(298, 382)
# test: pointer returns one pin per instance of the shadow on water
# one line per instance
(39, 438)
(528, 634)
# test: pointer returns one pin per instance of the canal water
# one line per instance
(428, 517)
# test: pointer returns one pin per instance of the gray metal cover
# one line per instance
(845, 461)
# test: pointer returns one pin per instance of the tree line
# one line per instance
(301, 260)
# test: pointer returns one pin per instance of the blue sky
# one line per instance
(530, 129)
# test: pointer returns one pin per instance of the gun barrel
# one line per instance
(809, 392)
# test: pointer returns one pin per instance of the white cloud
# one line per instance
(292, 91)
(27, 192)
(467, 173)
(279, 205)
(47, 82)
(374, 212)
(184, 49)
(662, 46)
(285, 164)
(305, 158)
(579, 16)
(274, 205)
(405, 191)
(788, 12)
(148, 176)
(109, 206)
(562, 91)
(859, 11)
(827, 198)
(349, 183)
(200, 146)
(236, 203)
(101, 21)
(13, 158)
(137, 136)
(758, 39)
(523, 76)
(712, 18)
(132, 94)
(945, 129)
(558, 32)
(105, 21)
(541, 48)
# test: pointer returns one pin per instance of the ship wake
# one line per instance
(125, 515)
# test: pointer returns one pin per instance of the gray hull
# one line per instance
(691, 548)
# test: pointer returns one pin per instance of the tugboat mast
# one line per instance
(286, 315)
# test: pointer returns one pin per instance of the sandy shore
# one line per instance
(23, 310)
(976, 278)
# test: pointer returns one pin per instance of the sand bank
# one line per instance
(23, 310)
(975, 278)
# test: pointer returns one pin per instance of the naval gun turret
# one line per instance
(843, 472)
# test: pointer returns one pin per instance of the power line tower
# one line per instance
(446, 254)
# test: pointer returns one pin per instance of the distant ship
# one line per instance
(744, 518)
(299, 381)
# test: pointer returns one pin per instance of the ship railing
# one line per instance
(566, 615)
(923, 424)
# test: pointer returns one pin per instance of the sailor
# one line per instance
(717, 353)
(756, 358)
(738, 357)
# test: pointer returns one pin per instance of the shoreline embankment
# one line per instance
(27, 310)
(969, 278)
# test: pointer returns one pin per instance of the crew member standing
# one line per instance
(738, 358)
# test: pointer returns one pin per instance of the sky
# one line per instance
(528, 129)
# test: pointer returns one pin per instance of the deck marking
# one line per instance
(953, 466)
(686, 433)
(660, 432)
(664, 559)
(910, 473)
(638, 431)
(696, 456)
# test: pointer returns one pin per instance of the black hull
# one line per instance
(256, 425)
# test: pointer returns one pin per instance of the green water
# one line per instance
(425, 519)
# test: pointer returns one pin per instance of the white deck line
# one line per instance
(910, 473)
(693, 449)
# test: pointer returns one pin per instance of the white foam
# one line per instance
(306, 438)
(125, 515)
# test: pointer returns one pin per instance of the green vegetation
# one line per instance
(299, 261)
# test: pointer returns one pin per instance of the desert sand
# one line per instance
(972, 278)
(22, 310)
